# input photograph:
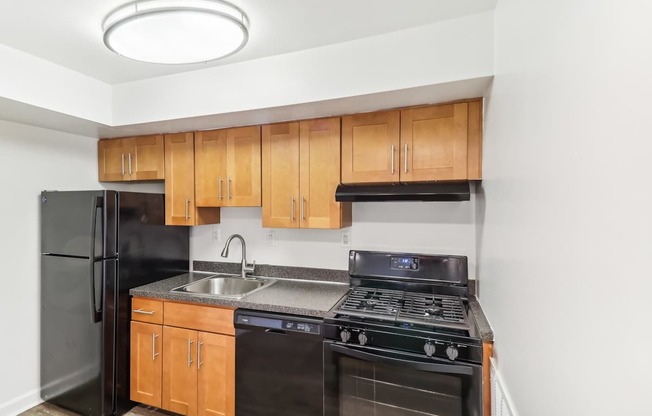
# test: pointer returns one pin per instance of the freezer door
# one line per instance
(71, 333)
(70, 220)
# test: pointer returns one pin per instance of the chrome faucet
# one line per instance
(246, 268)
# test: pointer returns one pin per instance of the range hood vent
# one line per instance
(458, 191)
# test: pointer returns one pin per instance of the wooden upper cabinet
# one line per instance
(131, 159)
(179, 179)
(370, 146)
(320, 174)
(301, 170)
(227, 167)
(148, 160)
(280, 164)
(433, 143)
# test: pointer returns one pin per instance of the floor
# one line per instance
(46, 409)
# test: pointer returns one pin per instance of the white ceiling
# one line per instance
(69, 34)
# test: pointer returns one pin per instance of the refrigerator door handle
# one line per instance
(96, 315)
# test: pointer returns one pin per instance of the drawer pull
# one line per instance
(143, 312)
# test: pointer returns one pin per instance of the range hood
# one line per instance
(438, 191)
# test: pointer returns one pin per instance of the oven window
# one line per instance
(373, 389)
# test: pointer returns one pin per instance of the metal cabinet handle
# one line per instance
(123, 164)
(406, 157)
(392, 159)
(219, 188)
(130, 163)
(292, 209)
(187, 208)
(154, 353)
(303, 208)
(143, 312)
(189, 354)
(228, 187)
(199, 363)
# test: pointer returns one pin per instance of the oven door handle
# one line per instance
(416, 365)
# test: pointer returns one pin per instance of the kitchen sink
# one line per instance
(225, 286)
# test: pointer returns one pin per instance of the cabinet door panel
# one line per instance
(369, 142)
(148, 158)
(146, 363)
(179, 179)
(210, 168)
(179, 370)
(320, 173)
(280, 176)
(216, 375)
(111, 161)
(243, 175)
(434, 143)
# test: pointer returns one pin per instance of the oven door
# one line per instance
(377, 382)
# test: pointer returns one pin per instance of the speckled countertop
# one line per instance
(292, 296)
(297, 290)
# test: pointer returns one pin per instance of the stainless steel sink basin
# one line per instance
(225, 286)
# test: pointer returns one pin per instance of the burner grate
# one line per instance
(371, 302)
(431, 308)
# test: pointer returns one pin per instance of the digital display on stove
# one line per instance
(404, 263)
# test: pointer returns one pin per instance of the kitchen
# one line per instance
(535, 230)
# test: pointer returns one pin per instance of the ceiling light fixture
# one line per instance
(176, 31)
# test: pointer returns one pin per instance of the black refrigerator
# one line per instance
(95, 246)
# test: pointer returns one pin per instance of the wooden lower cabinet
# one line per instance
(146, 363)
(190, 371)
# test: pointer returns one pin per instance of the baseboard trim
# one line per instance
(21, 403)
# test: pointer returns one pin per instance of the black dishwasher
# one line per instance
(278, 364)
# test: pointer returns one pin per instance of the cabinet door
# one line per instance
(112, 163)
(179, 370)
(179, 179)
(320, 173)
(148, 159)
(210, 168)
(370, 146)
(280, 172)
(434, 143)
(146, 363)
(243, 175)
(216, 375)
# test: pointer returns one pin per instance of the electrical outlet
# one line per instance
(346, 238)
(270, 238)
(217, 234)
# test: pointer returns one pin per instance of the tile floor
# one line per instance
(46, 409)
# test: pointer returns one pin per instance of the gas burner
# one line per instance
(428, 312)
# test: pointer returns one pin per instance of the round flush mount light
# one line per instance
(176, 31)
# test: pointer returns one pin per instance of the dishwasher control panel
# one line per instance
(294, 325)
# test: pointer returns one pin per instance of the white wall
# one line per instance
(421, 227)
(564, 226)
(452, 50)
(32, 160)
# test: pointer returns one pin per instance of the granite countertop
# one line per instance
(297, 290)
(291, 296)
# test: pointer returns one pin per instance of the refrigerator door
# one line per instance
(72, 223)
(71, 333)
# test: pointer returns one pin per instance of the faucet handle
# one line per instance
(249, 268)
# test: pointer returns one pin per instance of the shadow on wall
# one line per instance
(415, 212)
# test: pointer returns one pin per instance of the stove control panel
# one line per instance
(404, 263)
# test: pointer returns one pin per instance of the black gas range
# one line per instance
(404, 313)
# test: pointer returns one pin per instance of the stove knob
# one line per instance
(345, 335)
(362, 338)
(429, 348)
(452, 352)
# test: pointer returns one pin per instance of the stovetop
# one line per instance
(420, 309)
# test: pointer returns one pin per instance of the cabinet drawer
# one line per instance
(202, 318)
(147, 310)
